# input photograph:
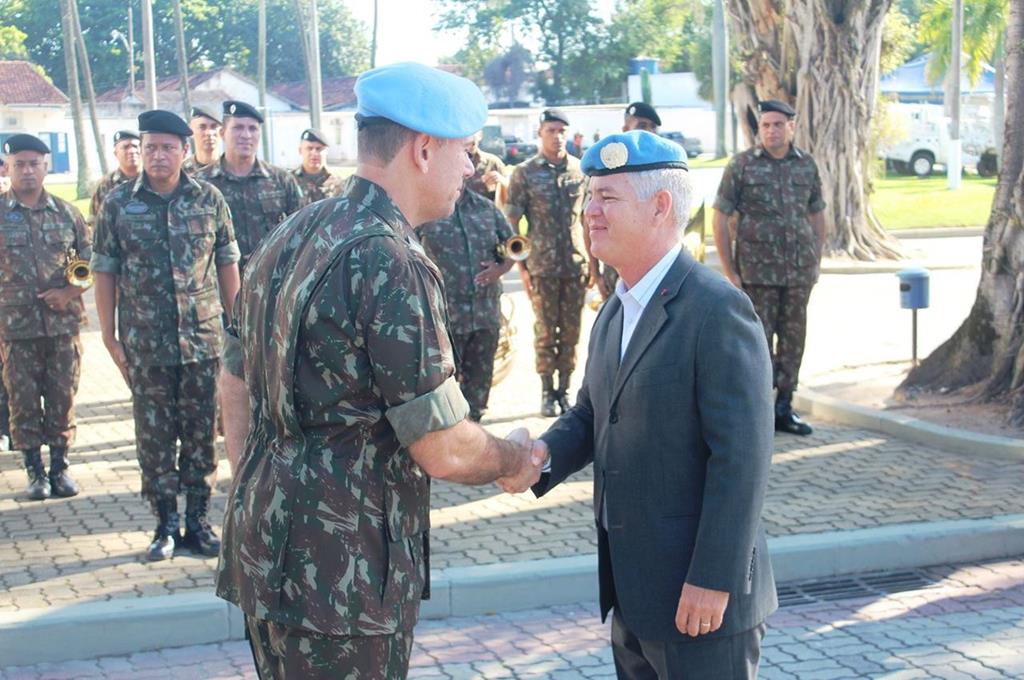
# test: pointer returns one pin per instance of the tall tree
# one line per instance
(985, 356)
(984, 23)
(12, 43)
(823, 58)
(90, 93)
(68, 35)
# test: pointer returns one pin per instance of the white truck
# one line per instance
(926, 139)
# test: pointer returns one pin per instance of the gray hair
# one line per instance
(675, 181)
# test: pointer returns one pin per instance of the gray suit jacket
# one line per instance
(681, 438)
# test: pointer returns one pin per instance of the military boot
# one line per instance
(547, 396)
(38, 488)
(562, 394)
(166, 534)
(786, 419)
(199, 537)
(61, 484)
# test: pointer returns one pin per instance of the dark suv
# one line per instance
(517, 151)
(692, 145)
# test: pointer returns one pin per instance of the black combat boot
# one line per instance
(199, 537)
(561, 395)
(166, 534)
(547, 396)
(61, 484)
(38, 488)
(786, 419)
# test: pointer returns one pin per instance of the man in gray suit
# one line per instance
(676, 415)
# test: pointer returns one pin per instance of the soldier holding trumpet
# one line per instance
(42, 241)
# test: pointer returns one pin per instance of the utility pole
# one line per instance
(71, 68)
(90, 93)
(316, 94)
(373, 41)
(261, 75)
(179, 32)
(954, 160)
(148, 58)
(720, 73)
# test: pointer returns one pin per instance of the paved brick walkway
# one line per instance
(970, 624)
(88, 548)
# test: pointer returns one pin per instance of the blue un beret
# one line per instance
(632, 152)
(421, 98)
(163, 121)
(22, 142)
(233, 107)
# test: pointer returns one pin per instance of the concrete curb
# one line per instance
(124, 626)
(908, 428)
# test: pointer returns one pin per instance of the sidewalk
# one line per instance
(842, 489)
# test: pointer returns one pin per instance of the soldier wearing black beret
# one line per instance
(312, 175)
(641, 116)
(128, 153)
(206, 138)
(261, 195)
(775, 190)
(40, 314)
(166, 258)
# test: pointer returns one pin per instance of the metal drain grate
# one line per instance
(870, 584)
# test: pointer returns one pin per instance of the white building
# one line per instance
(31, 104)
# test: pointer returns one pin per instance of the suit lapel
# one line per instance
(651, 321)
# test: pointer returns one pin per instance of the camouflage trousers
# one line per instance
(286, 653)
(558, 311)
(783, 312)
(41, 376)
(474, 355)
(5, 411)
(174, 404)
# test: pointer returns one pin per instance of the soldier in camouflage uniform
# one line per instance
(548, 190)
(316, 182)
(206, 137)
(166, 257)
(463, 248)
(5, 413)
(776, 190)
(350, 374)
(40, 314)
(490, 176)
(129, 165)
(259, 194)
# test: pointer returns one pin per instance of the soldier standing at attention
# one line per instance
(463, 248)
(166, 258)
(314, 178)
(776, 189)
(40, 314)
(260, 195)
(206, 137)
(548, 190)
(350, 375)
(129, 165)
(490, 177)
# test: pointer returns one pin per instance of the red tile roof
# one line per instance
(339, 93)
(20, 83)
(168, 84)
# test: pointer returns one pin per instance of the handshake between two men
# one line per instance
(534, 455)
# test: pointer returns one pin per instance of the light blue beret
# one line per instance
(421, 98)
(632, 152)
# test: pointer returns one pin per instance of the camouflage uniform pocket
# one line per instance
(406, 497)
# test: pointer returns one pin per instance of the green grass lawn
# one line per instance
(67, 192)
(911, 203)
(707, 162)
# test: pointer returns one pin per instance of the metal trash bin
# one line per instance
(914, 288)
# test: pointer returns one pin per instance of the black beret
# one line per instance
(124, 134)
(549, 115)
(200, 112)
(23, 142)
(775, 105)
(163, 121)
(311, 135)
(643, 110)
(239, 109)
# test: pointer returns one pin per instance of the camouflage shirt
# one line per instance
(348, 361)
(318, 186)
(775, 243)
(165, 253)
(458, 245)
(34, 244)
(192, 165)
(259, 201)
(109, 181)
(551, 197)
(484, 162)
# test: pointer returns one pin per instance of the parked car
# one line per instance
(692, 145)
(517, 151)
(492, 141)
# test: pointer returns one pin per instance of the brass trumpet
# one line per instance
(516, 248)
(76, 270)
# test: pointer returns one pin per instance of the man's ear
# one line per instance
(663, 205)
(422, 150)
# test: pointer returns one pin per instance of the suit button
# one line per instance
(613, 418)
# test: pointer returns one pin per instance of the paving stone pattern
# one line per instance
(969, 625)
(89, 547)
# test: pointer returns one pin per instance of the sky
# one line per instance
(406, 29)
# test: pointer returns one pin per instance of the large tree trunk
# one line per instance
(90, 93)
(71, 68)
(822, 58)
(986, 352)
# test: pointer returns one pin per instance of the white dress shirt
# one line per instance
(635, 299)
